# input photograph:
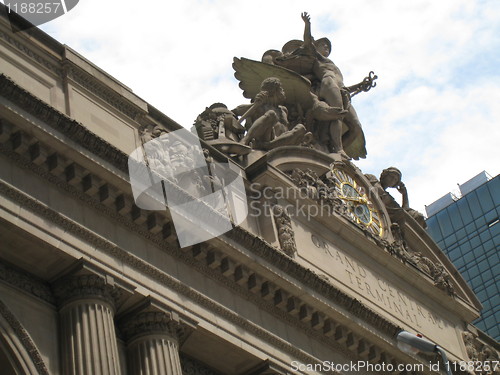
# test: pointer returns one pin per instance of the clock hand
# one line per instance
(352, 199)
(360, 200)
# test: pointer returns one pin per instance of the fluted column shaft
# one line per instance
(88, 339)
(154, 355)
(87, 329)
(152, 347)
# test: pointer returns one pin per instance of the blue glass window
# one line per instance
(445, 223)
(484, 196)
(464, 210)
(456, 218)
(474, 205)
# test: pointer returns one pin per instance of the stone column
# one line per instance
(152, 344)
(87, 331)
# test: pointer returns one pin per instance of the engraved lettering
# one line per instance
(398, 308)
(391, 291)
(431, 318)
(349, 262)
(402, 298)
(350, 276)
(360, 285)
(362, 271)
(338, 257)
(419, 309)
(380, 296)
(369, 290)
(416, 321)
(327, 250)
(408, 316)
(379, 290)
(380, 284)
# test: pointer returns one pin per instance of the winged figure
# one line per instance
(303, 105)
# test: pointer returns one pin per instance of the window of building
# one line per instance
(456, 218)
(474, 205)
(450, 241)
(485, 199)
(445, 223)
(465, 213)
(483, 265)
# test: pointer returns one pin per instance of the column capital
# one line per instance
(85, 281)
(152, 318)
(77, 287)
(150, 323)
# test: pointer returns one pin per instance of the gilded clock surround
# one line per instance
(356, 196)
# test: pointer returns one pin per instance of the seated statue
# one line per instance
(266, 119)
(391, 178)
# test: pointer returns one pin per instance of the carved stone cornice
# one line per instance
(26, 282)
(26, 50)
(59, 121)
(311, 279)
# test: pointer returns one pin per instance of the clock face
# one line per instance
(359, 207)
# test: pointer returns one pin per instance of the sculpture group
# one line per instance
(298, 97)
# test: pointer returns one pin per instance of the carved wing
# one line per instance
(357, 149)
(354, 139)
(297, 88)
(251, 73)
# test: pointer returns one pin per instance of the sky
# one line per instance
(435, 113)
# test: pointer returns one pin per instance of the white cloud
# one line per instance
(433, 114)
(438, 138)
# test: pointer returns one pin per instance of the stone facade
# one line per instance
(91, 283)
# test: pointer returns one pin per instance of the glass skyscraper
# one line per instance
(467, 229)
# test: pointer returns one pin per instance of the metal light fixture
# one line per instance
(412, 344)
